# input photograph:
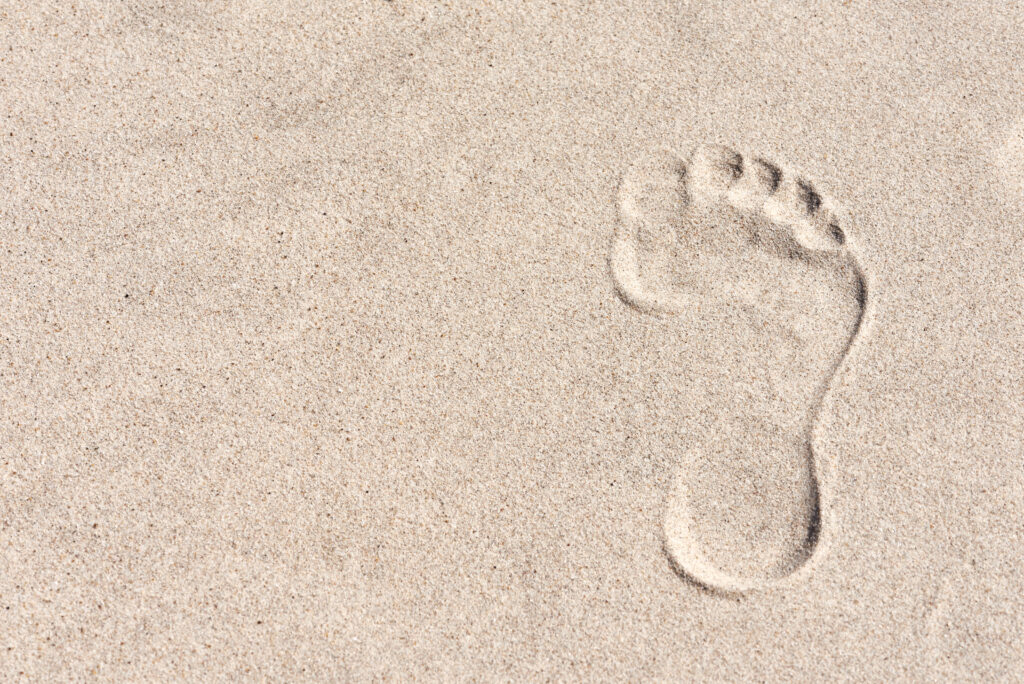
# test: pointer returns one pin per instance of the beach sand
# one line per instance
(318, 363)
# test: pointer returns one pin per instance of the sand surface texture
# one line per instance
(655, 340)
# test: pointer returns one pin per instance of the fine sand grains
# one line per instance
(312, 365)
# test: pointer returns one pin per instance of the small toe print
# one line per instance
(821, 232)
(835, 232)
(809, 198)
(793, 202)
(767, 174)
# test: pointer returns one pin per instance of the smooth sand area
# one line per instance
(317, 361)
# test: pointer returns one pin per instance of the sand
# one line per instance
(318, 363)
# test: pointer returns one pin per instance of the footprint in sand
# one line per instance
(725, 231)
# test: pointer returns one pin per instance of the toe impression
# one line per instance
(713, 169)
(755, 186)
(815, 224)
